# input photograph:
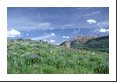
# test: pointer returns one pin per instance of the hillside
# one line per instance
(100, 44)
(88, 42)
(38, 57)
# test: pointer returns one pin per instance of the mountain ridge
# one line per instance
(88, 42)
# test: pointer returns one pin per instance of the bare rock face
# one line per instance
(66, 44)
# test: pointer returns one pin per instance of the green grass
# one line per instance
(33, 57)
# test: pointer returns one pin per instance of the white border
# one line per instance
(58, 3)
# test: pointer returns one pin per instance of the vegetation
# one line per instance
(77, 45)
(38, 57)
(100, 44)
(97, 44)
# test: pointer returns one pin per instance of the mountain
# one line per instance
(88, 42)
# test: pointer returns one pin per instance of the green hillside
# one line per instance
(99, 44)
(95, 44)
(38, 57)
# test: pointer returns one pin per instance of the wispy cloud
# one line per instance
(92, 14)
(69, 25)
(45, 37)
(103, 24)
(13, 33)
(44, 24)
(46, 18)
(91, 21)
(84, 8)
(34, 26)
(76, 31)
(48, 37)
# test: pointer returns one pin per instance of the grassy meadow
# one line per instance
(36, 57)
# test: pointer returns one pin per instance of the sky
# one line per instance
(56, 24)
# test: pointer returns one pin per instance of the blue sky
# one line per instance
(56, 24)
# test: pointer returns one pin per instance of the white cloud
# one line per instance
(52, 41)
(52, 34)
(103, 30)
(13, 33)
(65, 36)
(91, 21)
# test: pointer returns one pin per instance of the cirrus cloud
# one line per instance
(103, 23)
